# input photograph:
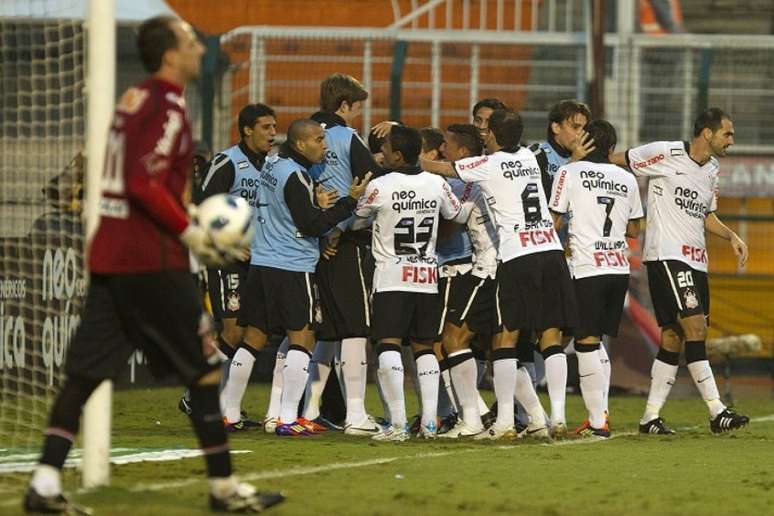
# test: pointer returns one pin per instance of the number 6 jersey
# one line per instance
(405, 206)
(514, 191)
(601, 199)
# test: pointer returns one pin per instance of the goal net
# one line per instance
(42, 279)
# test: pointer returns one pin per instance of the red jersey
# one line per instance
(147, 165)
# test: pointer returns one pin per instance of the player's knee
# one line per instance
(232, 333)
(671, 340)
(550, 337)
(694, 327)
(254, 338)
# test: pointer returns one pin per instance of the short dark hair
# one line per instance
(565, 109)
(250, 114)
(432, 139)
(711, 119)
(375, 142)
(605, 140)
(407, 141)
(154, 37)
(489, 102)
(339, 88)
(299, 129)
(507, 128)
(468, 136)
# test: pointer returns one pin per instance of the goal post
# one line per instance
(100, 95)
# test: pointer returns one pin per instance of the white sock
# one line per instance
(701, 372)
(556, 379)
(276, 381)
(319, 370)
(354, 368)
(47, 480)
(463, 376)
(592, 383)
(380, 391)
(339, 372)
(391, 378)
(527, 397)
(222, 487)
(294, 377)
(662, 377)
(238, 378)
(530, 368)
(505, 389)
(483, 408)
(428, 372)
(606, 369)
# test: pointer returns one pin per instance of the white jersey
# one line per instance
(515, 196)
(680, 195)
(600, 200)
(405, 209)
(483, 236)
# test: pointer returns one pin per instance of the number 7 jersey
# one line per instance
(601, 199)
(405, 208)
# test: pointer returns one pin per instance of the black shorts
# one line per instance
(600, 304)
(276, 301)
(223, 286)
(468, 299)
(536, 292)
(406, 315)
(677, 289)
(345, 282)
(159, 313)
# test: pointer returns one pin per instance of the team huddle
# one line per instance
(448, 243)
(451, 242)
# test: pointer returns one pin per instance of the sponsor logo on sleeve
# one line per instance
(648, 162)
(473, 164)
(559, 187)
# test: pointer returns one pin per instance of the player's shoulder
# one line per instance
(536, 148)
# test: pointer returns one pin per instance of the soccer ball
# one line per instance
(228, 220)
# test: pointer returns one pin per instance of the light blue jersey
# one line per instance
(458, 245)
(246, 176)
(277, 241)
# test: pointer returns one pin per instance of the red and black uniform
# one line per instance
(141, 295)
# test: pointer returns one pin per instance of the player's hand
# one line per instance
(197, 240)
(325, 198)
(583, 146)
(382, 129)
(330, 244)
(359, 186)
(740, 249)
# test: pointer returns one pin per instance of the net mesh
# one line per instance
(41, 176)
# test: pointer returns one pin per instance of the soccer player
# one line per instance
(235, 171)
(141, 295)
(405, 204)
(467, 285)
(602, 202)
(682, 199)
(281, 295)
(534, 286)
(482, 111)
(344, 275)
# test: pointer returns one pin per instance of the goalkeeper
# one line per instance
(141, 295)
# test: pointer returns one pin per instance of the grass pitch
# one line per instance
(694, 472)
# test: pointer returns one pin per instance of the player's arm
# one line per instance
(146, 175)
(361, 161)
(559, 201)
(441, 168)
(633, 228)
(452, 208)
(308, 218)
(220, 176)
(645, 160)
(715, 226)
(542, 160)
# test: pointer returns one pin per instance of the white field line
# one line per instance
(272, 474)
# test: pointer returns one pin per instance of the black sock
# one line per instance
(208, 425)
(65, 419)
(224, 347)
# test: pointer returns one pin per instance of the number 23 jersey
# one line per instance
(514, 191)
(406, 209)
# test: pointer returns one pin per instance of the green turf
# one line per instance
(692, 473)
